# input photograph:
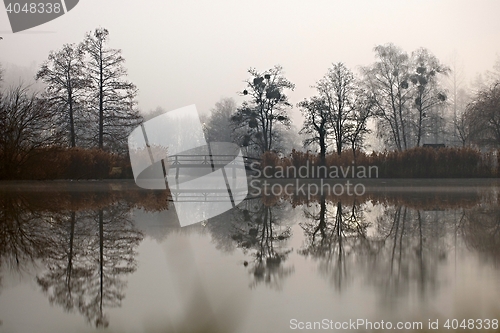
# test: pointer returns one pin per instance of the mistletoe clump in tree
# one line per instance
(427, 91)
(267, 109)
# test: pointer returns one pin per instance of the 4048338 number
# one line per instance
(471, 324)
(34, 8)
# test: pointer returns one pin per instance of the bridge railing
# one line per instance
(214, 161)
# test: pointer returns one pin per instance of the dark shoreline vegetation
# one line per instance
(416, 162)
(69, 163)
(83, 164)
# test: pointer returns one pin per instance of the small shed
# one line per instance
(434, 145)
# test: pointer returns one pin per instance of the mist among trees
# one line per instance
(403, 99)
(86, 103)
(406, 99)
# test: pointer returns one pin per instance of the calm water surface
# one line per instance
(84, 258)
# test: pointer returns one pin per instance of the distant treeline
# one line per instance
(416, 162)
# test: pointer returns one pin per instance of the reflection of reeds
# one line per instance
(429, 198)
(75, 196)
(84, 196)
(412, 163)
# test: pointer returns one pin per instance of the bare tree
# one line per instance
(463, 119)
(154, 113)
(63, 73)
(267, 107)
(218, 126)
(387, 80)
(316, 125)
(484, 115)
(428, 94)
(25, 127)
(338, 88)
(359, 117)
(456, 99)
(494, 75)
(340, 113)
(112, 99)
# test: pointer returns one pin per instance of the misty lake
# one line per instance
(80, 257)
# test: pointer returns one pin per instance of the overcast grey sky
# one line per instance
(195, 52)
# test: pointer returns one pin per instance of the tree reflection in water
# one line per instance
(336, 234)
(481, 231)
(399, 250)
(396, 243)
(401, 247)
(96, 252)
(415, 243)
(256, 228)
(85, 244)
(24, 234)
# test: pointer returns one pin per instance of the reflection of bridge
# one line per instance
(178, 162)
(207, 196)
(191, 166)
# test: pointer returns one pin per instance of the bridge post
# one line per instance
(176, 170)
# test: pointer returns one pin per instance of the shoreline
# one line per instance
(371, 184)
